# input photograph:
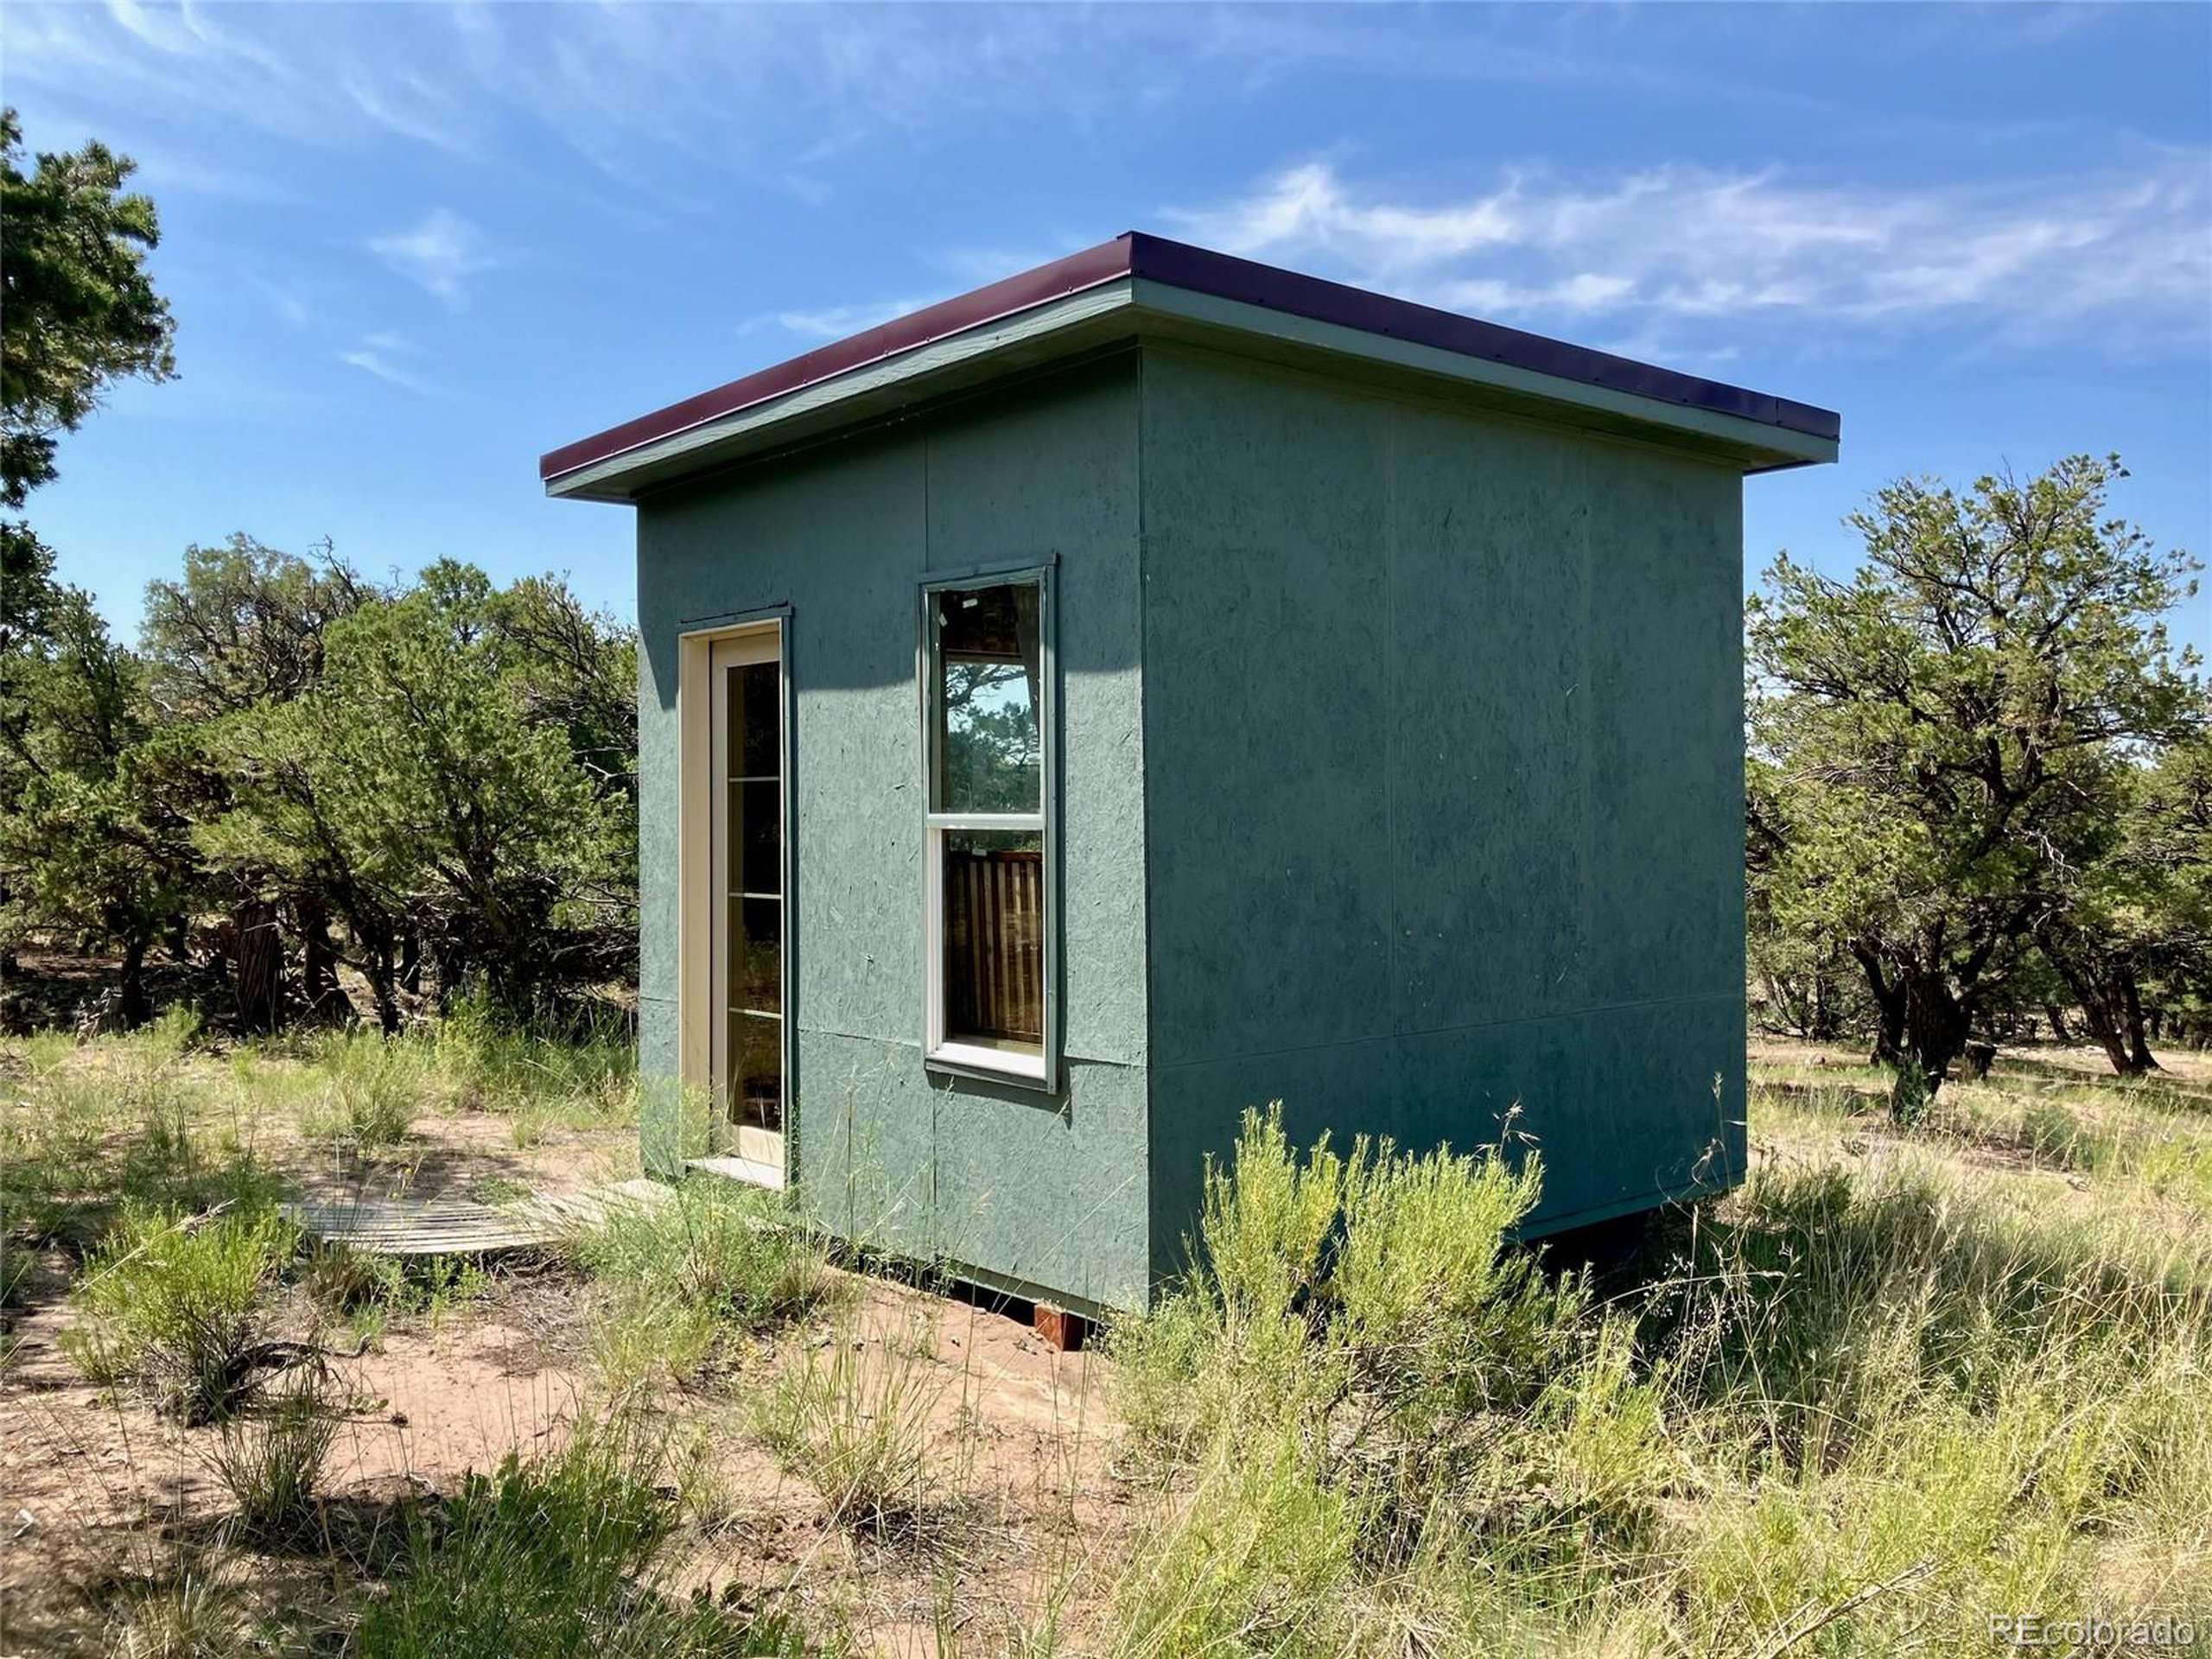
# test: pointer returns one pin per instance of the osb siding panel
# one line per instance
(1445, 786)
(844, 534)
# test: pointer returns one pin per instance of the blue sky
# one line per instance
(411, 247)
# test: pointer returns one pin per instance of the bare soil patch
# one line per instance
(1018, 1437)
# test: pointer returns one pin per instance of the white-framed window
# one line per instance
(990, 824)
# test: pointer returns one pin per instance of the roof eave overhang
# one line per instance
(868, 391)
(1119, 309)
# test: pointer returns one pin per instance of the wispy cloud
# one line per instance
(288, 306)
(1691, 246)
(441, 253)
(376, 355)
(833, 322)
(409, 105)
(981, 264)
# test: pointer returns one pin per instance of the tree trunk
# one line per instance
(2131, 1003)
(452, 965)
(2096, 981)
(134, 1009)
(1937, 1025)
(1890, 1029)
(260, 981)
(318, 961)
(1890, 1002)
(383, 991)
(411, 963)
(2057, 1015)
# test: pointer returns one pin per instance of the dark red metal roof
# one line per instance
(1177, 265)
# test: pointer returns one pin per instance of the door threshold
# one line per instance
(751, 1170)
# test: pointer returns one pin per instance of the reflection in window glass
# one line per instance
(993, 893)
(988, 664)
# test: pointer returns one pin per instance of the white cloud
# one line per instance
(833, 322)
(374, 356)
(441, 253)
(1700, 249)
(288, 306)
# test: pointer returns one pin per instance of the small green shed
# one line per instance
(1158, 684)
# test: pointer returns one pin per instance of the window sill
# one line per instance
(994, 1064)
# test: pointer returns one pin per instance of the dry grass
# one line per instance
(1899, 1383)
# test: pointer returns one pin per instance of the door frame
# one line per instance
(695, 780)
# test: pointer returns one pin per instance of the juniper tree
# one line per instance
(1949, 732)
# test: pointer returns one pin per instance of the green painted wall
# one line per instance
(1445, 786)
(1035, 1190)
(1428, 801)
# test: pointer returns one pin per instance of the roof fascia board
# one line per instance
(945, 364)
(1227, 322)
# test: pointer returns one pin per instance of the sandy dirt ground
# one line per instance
(1020, 1495)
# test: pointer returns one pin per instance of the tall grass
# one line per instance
(271, 1459)
(124, 1118)
(713, 1261)
(852, 1416)
(562, 1557)
(1859, 1413)
(371, 1090)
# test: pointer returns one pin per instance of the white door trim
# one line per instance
(703, 958)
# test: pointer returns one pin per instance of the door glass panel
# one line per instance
(988, 660)
(756, 1051)
(760, 955)
(759, 811)
(995, 937)
(758, 717)
(751, 799)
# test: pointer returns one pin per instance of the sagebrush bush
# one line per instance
(179, 1303)
(1864, 1407)
(1361, 1352)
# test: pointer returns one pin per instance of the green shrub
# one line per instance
(559, 1559)
(177, 1302)
(1361, 1367)
(1259, 1558)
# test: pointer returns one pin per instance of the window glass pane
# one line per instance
(988, 665)
(757, 719)
(995, 937)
